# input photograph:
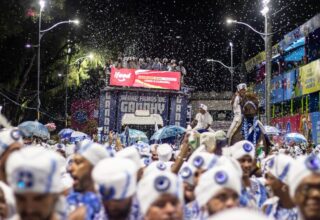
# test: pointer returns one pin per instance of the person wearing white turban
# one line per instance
(10, 141)
(253, 193)
(304, 185)
(84, 198)
(218, 189)
(203, 119)
(280, 206)
(34, 175)
(116, 181)
(160, 195)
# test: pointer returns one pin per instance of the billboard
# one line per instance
(310, 77)
(289, 83)
(260, 92)
(315, 119)
(277, 89)
(151, 79)
(287, 124)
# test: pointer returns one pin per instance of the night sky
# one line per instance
(190, 31)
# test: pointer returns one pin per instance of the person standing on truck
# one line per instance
(203, 119)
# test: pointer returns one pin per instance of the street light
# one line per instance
(230, 68)
(42, 4)
(267, 37)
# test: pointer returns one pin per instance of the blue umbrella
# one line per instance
(65, 133)
(270, 130)
(132, 136)
(168, 132)
(296, 137)
(78, 136)
(34, 128)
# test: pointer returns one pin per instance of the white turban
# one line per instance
(242, 86)
(164, 152)
(151, 187)
(157, 166)
(8, 137)
(115, 178)
(201, 160)
(186, 173)
(216, 179)
(302, 167)
(93, 152)
(34, 169)
(238, 214)
(279, 166)
(204, 107)
(242, 148)
(131, 153)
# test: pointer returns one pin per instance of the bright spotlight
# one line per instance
(230, 21)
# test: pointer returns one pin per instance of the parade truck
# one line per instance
(143, 100)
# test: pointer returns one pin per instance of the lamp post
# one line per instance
(230, 68)
(40, 35)
(267, 37)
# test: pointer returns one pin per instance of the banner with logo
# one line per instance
(145, 78)
(83, 112)
(315, 119)
(277, 89)
(129, 102)
(310, 77)
(289, 83)
(302, 31)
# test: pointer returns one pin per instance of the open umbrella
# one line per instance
(133, 136)
(65, 133)
(78, 136)
(296, 137)
(35, 128)
(270, 130)
(168, 132)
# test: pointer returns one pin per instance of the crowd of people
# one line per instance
(148, 64)
(203, 179)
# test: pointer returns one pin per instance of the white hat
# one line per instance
(151, 187)
(115, 178)
(8, 137)
(241, 149)
(204, 107)
(201, 160)
(239, 214)
(279, 166)
(242, 86)
(164, 152)
(216, 179)
(157, 166)
(186, 173)
(301, 168)
(132, 154)
(93, 152)
(34, 169)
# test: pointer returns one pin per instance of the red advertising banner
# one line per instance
(145, 78)
(287, 124)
